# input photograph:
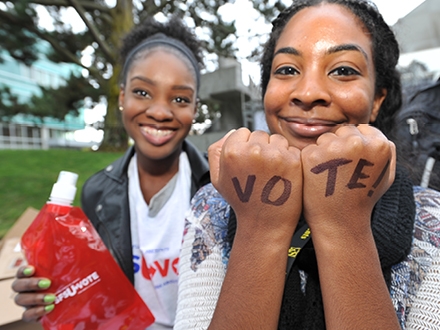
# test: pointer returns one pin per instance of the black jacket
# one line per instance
(104, 200)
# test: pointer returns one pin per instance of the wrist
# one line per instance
(340, 227)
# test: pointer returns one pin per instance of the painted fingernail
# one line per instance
(44, 284)
(28, 271)
(49, 298)
(49, 308)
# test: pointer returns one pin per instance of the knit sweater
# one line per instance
(415, 282)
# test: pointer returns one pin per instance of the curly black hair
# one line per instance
(384, 46)
(174, 28)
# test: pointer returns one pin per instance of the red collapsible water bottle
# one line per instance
(91, 289)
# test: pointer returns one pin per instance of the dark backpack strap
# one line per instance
(232, 226)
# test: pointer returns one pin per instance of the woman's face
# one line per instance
(159, 101)
(322, 76)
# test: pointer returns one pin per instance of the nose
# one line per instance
(310, 90)
(159, 111)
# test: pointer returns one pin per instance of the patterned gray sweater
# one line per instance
(415, 286)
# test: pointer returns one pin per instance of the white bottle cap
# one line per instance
(65, 188)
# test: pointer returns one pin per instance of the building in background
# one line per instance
(26, 132)
(238, 105)
(418, 34)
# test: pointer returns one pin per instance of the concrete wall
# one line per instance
(202, 142)
(226, 87)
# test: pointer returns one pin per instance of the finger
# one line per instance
(370, 131)
(216, 147)
(346, 130)
(35, 313)
(360, 129)
(294, 154)
(245, 141)
(214, 152)
(30, 284)
(279, 140)
(25, 271)
(373, 132)
(256, 136)
(29, 300)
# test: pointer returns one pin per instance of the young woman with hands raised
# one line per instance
(330, 88)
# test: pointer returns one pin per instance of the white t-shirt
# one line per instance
(157, 232)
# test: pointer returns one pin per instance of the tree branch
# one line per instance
(32, 28)
(92, 28)
(74, 59)
(86, 4)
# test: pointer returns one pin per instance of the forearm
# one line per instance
(354, 292)
(260, 176)
(251, 294)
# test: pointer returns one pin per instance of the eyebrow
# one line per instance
(345, 47)
(331, 50)
(288, 50)
(151, 82)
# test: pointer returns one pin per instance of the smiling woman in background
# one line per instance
(137, 204)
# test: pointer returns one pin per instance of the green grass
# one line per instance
(27, 176)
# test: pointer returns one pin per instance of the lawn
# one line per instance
(27, 176)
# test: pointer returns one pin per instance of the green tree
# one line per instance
(105, 21)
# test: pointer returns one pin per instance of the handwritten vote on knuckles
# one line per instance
(245, 189)
(335, 162)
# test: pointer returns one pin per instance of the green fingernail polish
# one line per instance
(49, 308)
(44, 284)
(27, 271)
(49, 298)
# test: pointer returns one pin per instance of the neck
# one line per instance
(155, 174)
(158, 167)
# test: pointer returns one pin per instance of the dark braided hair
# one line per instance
(174, 28)
(384, 46)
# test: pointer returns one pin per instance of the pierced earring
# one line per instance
(194, 121)
(121, 108)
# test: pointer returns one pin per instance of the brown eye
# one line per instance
(141, 92)
(182, 100)
(286, 70)
(344, 71)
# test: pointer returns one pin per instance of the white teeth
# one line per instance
(156, 132)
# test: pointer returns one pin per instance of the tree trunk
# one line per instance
(115, 136)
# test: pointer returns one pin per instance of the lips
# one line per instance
(157, 135)
(310, 128)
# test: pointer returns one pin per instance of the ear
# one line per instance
(378, 100)
(121, 95)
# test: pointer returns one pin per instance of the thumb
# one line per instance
(214, 153)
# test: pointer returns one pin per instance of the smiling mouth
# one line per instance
(312, 122)
(157, 132)
(310, 128)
